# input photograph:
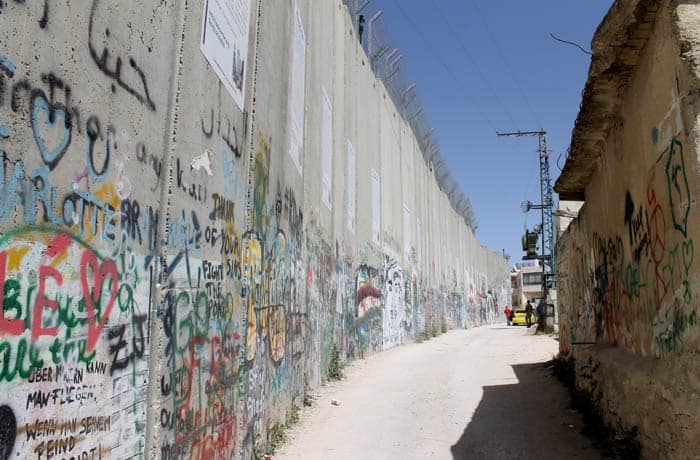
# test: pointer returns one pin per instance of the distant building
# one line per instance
(526, 282)
(515, 284)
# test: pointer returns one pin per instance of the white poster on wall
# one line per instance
(296, 93)
(406, 232)
(326, 149)
(376, 207)
(225, 27)
(419, 253)
(350, 175)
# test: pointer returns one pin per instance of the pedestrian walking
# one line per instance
(509, 316)
(541, 316)
(528, 314)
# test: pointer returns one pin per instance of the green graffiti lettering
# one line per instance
(26, 359)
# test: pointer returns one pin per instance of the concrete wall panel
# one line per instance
(84, 129)
(173, 284)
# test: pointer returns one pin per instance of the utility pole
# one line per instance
(546, 205)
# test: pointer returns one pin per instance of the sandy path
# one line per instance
(476, 393)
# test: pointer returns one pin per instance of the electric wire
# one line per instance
(506, 62)
(530, 187)
(570, 43)
(561, 155)
(475, 64)
(437, 57)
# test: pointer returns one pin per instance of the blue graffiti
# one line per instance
(43, 117)
(94, 132)
(8, 65)
(10, 196)
(9, 68)
(40, 203)
(100, 213)
(43, 197)
(184, 234)
(33, 194)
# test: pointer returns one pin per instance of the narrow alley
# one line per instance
(467, 394)
(210, 208)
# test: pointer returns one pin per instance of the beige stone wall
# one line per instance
(629, 270)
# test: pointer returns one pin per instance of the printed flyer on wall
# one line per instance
(225, 28)
(296, 95)
(326, 150)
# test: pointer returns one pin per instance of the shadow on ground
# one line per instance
(526, 420)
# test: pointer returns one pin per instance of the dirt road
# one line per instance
(468, 394)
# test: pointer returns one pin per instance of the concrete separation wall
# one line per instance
(628, 269)
(176, 271)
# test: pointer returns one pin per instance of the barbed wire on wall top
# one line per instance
(385, 60)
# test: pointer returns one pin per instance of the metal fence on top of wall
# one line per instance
(386, 61)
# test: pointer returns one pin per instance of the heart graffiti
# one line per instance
(47, 120)
(688, 255)
(100, 272)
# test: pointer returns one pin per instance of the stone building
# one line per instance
(629, 278)
(526, 282)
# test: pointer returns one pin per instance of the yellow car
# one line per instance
(519, 317)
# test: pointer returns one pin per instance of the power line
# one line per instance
(570, 43)
(506, 62)
(437, 57)
(545, 207)
(475, 64)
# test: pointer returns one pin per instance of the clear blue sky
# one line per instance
(512, 76)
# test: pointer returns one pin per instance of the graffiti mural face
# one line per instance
(367, 326)
(368, 295)
(394, 306)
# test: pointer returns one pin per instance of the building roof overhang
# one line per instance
(616, 47)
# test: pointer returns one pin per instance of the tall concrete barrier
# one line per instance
(181, 253)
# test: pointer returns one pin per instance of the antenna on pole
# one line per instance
(545, 207)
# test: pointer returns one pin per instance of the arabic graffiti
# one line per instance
(8, 68)
(136, 84)
(43, 21)
(225, 128)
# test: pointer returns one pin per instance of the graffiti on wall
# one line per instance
(104, 42)
(76, 286)
(130, 270)
(677, 315)
(369, 324)
(73, 329)
(642, 297)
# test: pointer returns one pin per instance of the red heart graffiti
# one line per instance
(99, 271)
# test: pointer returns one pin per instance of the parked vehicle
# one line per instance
(519, 317)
